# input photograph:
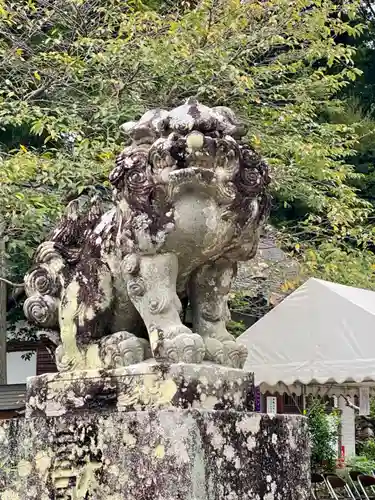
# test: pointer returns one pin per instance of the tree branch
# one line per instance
(15, 285)
(349, 403)
(36, 93)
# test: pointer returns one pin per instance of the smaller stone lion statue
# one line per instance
(189, 199)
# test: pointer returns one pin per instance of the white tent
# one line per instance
(323, 332)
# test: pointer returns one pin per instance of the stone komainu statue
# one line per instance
(189, 199)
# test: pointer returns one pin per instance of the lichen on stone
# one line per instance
(163, 455)
(189, 198)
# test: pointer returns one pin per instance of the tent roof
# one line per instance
(323, 332)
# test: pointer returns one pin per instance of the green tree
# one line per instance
(363, 88)
(79, 68)
(323, 433)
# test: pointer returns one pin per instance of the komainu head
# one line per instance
(195, 148)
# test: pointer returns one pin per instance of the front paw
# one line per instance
(226, 352)
(122, 349)
(69, 362)
(235, 354)
(214, 351)
(190, 348)
(177, 345)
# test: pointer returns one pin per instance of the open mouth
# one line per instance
(191, 174)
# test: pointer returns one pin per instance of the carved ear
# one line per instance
(127, 127)
(192, 101)
(231, 124)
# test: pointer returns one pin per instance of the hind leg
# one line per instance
(209, 289)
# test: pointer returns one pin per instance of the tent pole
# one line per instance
(304, 399)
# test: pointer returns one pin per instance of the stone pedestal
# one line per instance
(155, 455)
(148, 385)
(179, 432)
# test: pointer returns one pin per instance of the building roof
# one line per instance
(12, 397)
(323, 332)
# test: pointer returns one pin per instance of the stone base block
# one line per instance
(148, 385)
(155, 455)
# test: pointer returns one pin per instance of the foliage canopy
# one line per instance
(73, 70)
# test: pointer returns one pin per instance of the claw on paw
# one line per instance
(177, 345)
(190, 348)
(122, 349)
(225, 352)
(234, 354)
(214, 351)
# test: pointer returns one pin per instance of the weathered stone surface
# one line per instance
(110, 288)
(155, 455)
(189, 198)
(142, 386)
